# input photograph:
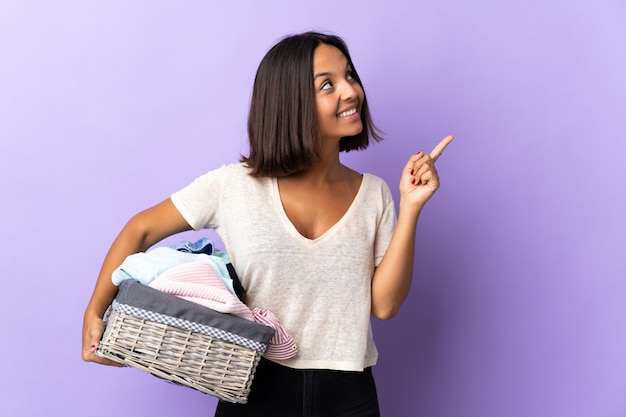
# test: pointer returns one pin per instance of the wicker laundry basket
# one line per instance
(183, 342)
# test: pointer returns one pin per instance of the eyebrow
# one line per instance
(322, 74)
(326, 74)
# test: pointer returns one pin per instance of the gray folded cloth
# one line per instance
(135, 294)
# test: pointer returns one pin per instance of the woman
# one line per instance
(312, 240)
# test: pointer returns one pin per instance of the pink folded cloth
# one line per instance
(199, 283)
(281, 345)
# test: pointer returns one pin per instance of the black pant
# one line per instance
(278, 391)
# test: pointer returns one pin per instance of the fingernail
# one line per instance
(412, 172)
(413, 181)
(93, 347)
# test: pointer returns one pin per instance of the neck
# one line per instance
(327, 169)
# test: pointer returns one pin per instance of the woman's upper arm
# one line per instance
(158, 222)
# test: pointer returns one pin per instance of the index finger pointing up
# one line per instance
(438, 150)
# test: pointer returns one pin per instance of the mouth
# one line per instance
(347, 113)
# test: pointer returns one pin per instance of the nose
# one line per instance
(349, 91)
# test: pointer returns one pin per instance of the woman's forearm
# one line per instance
(392, 280)
(140, 233)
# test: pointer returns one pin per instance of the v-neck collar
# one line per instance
(331, 230)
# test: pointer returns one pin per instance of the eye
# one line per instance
(350, 76)
(326, 85)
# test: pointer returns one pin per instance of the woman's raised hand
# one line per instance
(419, 179)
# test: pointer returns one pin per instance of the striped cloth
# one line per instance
(281, 345)
(199, 283)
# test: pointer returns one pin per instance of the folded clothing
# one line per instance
(202, 245)
(146, 266)
(198, 282)
(206, 246)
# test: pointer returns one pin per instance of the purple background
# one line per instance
(518, 304)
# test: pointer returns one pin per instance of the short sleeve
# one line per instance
(198, 202)
(386, 225)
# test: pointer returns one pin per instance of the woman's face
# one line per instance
(338, 95)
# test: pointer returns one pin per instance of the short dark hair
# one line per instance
(282, 124)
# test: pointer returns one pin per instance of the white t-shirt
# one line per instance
(320, 289)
